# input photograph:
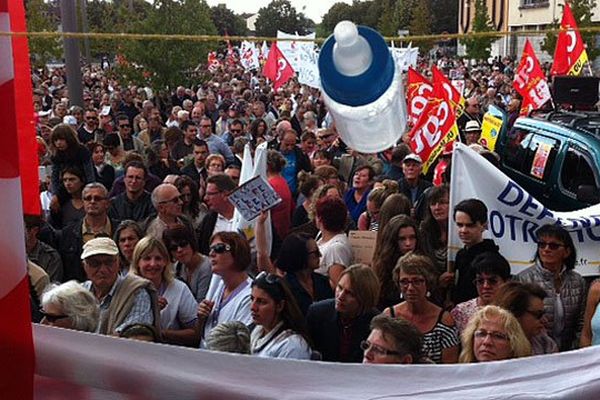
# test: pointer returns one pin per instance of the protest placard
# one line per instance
(363, 245)
(254, 196)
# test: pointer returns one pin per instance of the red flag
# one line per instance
(435, 128)
(213, 62)
(570, 55)
(230, 53)
(16, 114)
(530, 81)
(453, 95)
(277, 68)
(418, 92)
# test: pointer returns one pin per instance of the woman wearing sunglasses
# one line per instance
(151, 260)
(191, 267)
(280, 331)
(70, 306)
(526, 302)
(228, 297)
(554, 271)
(415, 278)
(491, 271)
(493, 334)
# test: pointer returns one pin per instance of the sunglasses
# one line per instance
(220, 248)
(482, 281)
(176, 245)
(539, 314)
(235, 130)
(124, 126)
(94, 198)
(550, 245)
(271, 279)
(52, 318)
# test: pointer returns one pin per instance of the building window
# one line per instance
(534, 3)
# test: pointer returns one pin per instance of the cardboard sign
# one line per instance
(363, 245)
(254, 196)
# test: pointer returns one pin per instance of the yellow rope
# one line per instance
(216, 38)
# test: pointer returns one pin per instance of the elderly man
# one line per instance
(295, 158)
(392, 341)
(167, 202)
(216, 145)
(135, 202)
(95, 223)
(124, 300)
(413, 185)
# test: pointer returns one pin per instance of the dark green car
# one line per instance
(555, 157)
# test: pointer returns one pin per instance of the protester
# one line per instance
(281, 215)
(369, 220)
(554, 271)
(338, 326)
(135, 203)
(151, 260)
(280, 330)
(70, 306)
(104, 173)
(356, 197)
(307, 185)
(493, 334)
(392, 341)
(434, 231)
(39, 252)
(126, 236)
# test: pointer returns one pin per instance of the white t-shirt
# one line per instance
(279, 344)
(235, 308)
(180, 311)
(336, 251)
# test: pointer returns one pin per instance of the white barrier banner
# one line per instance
(290, 48)
(514, 215)
(84, 366)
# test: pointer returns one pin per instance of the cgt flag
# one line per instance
(277, 68)
(419, 91)
(570, 55)
(16, 114)
(530, 81)
(454, 96)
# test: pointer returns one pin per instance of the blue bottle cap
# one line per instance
(366, 87)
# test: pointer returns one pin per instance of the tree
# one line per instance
(583, 12)
(420, 24)
(403, 11)
(227, 22)
(337, 12)
(169, 63)
(42, 18)
(444, 16)
(388, 21)
(479, 47)
(281, 15)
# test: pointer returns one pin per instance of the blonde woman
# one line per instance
(493, 334)
(151, 260)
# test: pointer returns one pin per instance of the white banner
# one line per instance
(514, 215)
(82, 366)
(308, 69)
(405, 56)
(290, 48)
(249, 56)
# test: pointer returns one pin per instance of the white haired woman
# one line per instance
(70, 306)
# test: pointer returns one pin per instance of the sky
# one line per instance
(314, 10)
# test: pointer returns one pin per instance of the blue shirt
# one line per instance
(354, 208)
(289, 171)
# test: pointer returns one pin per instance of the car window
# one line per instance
(516, 148)
(577, 170)
(540, 155)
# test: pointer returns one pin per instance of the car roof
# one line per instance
(585, 125)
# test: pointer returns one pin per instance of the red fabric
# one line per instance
(435, 122)
(452, 94)
(530, 81)
(281, 215)
(419, 91)
(277, 68)
(569, 45)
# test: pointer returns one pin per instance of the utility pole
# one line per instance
(68, 18)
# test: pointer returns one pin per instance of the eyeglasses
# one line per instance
(98, 261)
(495, 336)
(176, 245)
(94, 198)
(537, 314)
(271, 279)
(378, 350)
(418, 282)
(235, 130)
(205, 126)
(220, 248)
(490, 281)
(550, 245)
(52, 318)
(174, 200)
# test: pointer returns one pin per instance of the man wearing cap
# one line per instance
(413, 185)
(124, 300)
(95, 223)
(472, 132)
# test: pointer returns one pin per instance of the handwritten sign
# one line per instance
(363, 245)
(254, 196)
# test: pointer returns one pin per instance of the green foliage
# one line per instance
(169, 62)
(41, 17)
(338, 12)
(388, 22)
(281, 15)
(479, 47)
(444, 15)
(227, 22)
(582, 12)
(420, 24)
(403, 11)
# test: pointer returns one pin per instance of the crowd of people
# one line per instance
(138, 240)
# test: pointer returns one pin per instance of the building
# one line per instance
(498, 12)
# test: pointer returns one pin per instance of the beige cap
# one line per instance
(102, 245)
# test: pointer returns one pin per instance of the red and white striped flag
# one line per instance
(16, 114)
